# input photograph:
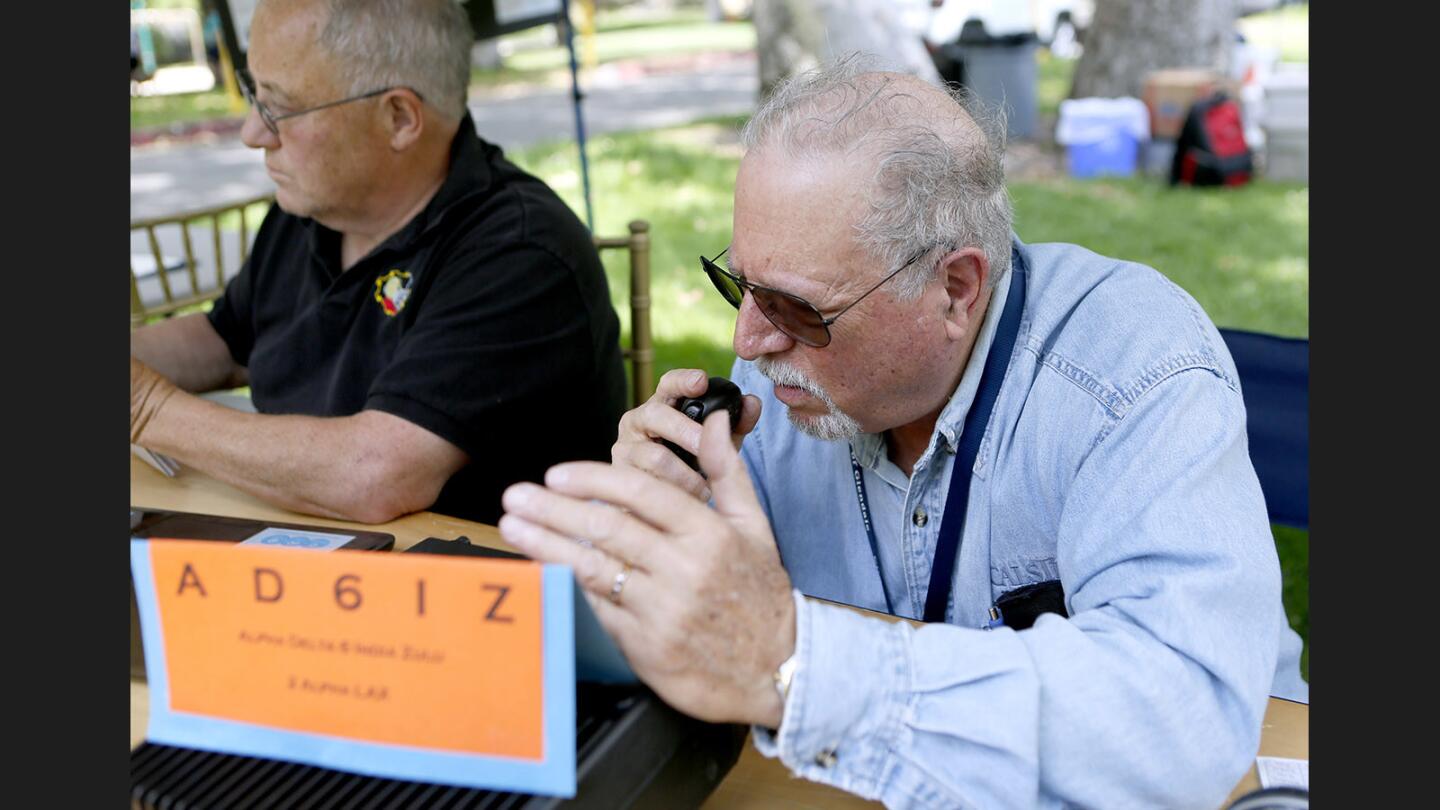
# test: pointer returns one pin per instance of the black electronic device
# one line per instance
(161, 523)
(631, 751)
(721, 394)
(1019, 608)
(462, 547)
(1274, 798)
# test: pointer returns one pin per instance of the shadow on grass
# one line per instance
(1243, 253)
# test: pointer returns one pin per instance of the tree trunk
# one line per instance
(1126, 40)
(787, 37)
(795, 35)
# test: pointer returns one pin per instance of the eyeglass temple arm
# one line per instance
(830, 320)
(329, 104)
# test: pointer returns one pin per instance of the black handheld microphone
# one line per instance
(720, 395)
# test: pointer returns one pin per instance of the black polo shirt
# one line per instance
(485, 320)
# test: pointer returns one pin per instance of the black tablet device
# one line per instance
(193, 526)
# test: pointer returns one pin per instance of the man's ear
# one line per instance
(404, 118)
(965, 272)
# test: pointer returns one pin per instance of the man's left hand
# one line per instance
(702, 607)
(148, 393)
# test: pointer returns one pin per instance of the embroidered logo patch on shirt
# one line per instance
(392, 290)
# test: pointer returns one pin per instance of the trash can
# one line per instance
(1102, 135)
(1001, 71)
(1286, 122)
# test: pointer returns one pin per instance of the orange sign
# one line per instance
(414, 650)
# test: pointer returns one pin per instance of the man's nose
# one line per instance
(254, 133)
(755, 335)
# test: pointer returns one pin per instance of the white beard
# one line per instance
(833, 425)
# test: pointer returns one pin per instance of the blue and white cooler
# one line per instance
(1102, 136)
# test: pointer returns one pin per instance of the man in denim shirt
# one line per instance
(1114, 461)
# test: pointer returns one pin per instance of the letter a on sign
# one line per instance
(189, 579)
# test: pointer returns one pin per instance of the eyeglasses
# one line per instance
(272, 121)
(791, 314)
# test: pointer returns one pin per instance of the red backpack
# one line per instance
(1211, 150)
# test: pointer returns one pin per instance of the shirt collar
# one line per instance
(868, 446)
(469, 175)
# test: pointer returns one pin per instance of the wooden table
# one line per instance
(192, 491)
(755, 782)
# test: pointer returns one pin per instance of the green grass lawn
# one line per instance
(149, 112)
(1293, 546)
(534, 54)
(1052, 82)
(1243, 253)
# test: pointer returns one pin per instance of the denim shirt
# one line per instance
(1116, 461)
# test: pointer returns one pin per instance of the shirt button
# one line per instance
(919, 517)
(826, 758)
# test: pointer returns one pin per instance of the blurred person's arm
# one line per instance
(188, 352)
(371, 467)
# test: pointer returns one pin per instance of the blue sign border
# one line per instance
(553, 775)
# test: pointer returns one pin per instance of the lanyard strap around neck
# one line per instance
(947, 546)
(937, 598)
(869, 529)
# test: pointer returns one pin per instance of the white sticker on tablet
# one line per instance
(1283, 772)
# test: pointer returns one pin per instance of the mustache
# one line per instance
(834, 425)
(781, 374)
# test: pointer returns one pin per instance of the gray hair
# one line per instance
(939, 181)
(420, 44)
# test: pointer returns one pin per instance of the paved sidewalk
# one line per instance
(216, 168)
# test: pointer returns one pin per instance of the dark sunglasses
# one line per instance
(791, 314)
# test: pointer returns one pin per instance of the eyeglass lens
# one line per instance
(792, 315)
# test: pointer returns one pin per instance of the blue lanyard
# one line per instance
(869, 530)
(957, 500)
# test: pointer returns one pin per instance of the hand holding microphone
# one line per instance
(662, 435)
(720, 395)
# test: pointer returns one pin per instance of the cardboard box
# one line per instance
(1169, 93)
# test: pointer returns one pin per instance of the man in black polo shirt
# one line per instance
(420, 322)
